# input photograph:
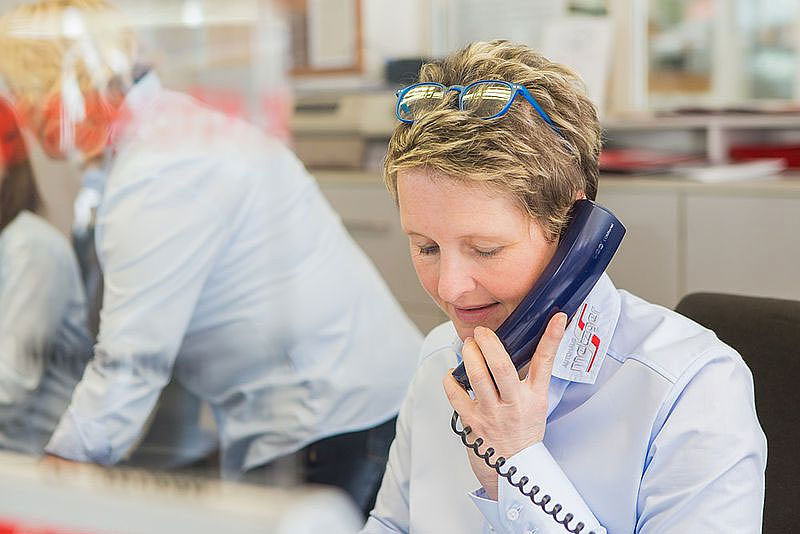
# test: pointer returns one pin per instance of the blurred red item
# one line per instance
(12, 146)
(227, 101)
(18, 528)
(789, 153)
(91, 134)
(639, 160)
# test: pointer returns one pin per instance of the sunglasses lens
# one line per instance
(486, 99)
(419, 99)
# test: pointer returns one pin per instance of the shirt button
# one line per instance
(532, 531)
(512, 514)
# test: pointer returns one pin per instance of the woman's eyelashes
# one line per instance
(428, 250)
(487, 253)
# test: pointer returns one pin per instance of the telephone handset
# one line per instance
(584, 251)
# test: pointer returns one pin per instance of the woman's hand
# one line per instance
(511, 415)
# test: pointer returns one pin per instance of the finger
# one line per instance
(505, 374)
(479, 378)
(457, 396)
(542, 362)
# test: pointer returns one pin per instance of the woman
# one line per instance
(661, 435)
(44, 341)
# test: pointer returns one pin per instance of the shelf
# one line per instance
(371, 113)
(786, 184)
(739, 121)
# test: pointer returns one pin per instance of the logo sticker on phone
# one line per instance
(583, 348)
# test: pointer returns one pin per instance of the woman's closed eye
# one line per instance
(427, 250)
(487, 253)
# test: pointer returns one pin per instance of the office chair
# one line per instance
(766, 332)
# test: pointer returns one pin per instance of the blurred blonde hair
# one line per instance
(46, 40)
(518, 153)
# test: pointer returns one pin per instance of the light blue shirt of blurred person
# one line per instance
(182, 431)
(225, 267)
(44, 341)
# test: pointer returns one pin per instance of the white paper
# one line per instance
(331, 34)
(583, 43)
(522, 21)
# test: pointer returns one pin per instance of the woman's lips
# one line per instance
(475, 315)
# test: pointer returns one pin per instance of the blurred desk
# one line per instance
(684, 237)
(92, 500)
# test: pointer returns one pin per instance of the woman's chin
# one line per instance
(468, 330)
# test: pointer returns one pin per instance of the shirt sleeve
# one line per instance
(391, 511)
(34, 295)
(157, 239)
(514, 513)
(705, 468)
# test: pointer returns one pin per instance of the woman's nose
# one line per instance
(455, 279)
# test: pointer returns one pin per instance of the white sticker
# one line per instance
(583, 347)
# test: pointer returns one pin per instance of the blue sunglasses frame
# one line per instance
(516, 89)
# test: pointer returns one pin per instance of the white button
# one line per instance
(512, 514)
(491, 528)
(534, 531)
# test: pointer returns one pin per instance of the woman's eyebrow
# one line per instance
(471, 236)
(490, 237)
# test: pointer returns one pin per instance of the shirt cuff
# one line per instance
(70, 441)
(516, 513)
(488, 508)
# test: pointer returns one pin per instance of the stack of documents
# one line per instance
(733, 172)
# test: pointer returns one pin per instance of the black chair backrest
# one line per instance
(766, 332)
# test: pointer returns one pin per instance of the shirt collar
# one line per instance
(143, 91)
(139, 96)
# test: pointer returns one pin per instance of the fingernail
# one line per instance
(562, 320)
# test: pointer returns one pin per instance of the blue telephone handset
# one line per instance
(584, 251)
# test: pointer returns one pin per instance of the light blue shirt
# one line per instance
(44, 340)
(225, 267)
(666, 439)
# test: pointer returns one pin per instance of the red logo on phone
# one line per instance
(586, 337)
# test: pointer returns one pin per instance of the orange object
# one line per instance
(91, 134)
(12, 145)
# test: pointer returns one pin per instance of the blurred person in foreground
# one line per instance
(223, 266)
(44, 339)
(656, 432)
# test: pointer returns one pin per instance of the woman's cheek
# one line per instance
(427, 273)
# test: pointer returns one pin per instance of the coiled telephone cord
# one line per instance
(510, 472)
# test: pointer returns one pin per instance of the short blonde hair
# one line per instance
(41, 40)
(518, 153)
